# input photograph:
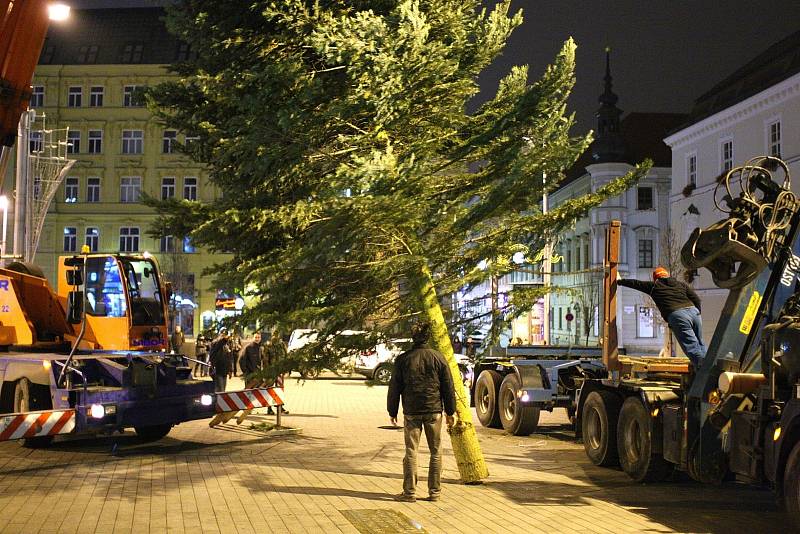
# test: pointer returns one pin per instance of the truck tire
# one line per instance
(791, 485)
(382, 374)
(486, 398)
(599, 427)
(27, 400)
(152, 433)
(517, 418)
(635, 444)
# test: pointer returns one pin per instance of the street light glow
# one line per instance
(58, 12)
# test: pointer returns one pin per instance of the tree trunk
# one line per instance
(466, 448)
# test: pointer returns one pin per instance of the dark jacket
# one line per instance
(422, 378)
(201, 348)
(669, 294)
(274, 352)
(219, 356)
(250, 361)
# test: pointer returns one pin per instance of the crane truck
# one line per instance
(737, 414)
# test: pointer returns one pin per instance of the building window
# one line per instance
(568, 262)
(93, 238)
(71, 189)
(132, 96)
(726, 156)
(37, 96)
(95, 141)
(132, 53)
(87, 54)
(644, 198)
(73, 142)
(691, 171)
(70, 239)
(188, 247)
(645, 253)
(190, 141)
(130, 188)
(167, 187)
(129, 239)
(560, 318)
(74, 97)
(36, 143)
(93, 189)
(774, 139)
(183, 52)
(189, 188)
(167, 243)
(96, 94)
(132, 141)
(645, 325)
(168, 141)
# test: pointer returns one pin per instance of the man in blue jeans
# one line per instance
(679, 305)
(423, 380)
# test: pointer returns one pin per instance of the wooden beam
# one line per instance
(610, 341)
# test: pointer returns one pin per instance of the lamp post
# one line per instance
(4, 207)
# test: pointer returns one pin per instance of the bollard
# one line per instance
(278, 420)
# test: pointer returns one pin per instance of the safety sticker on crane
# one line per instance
(36, 424)
(249, 399)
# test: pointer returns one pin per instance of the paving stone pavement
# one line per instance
(236, 480)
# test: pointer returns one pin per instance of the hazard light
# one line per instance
(206, 400)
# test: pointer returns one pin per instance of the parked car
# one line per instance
(301, 337)
(378, 365)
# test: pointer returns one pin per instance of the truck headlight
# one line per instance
(206, 400)
(97, 411)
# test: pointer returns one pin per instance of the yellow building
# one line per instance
(87, 79)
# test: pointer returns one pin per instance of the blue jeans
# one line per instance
(220, 383)
(688, 329)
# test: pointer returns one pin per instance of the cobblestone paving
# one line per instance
(234, 479)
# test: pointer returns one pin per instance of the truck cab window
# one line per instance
(142, 281)
(105, 294)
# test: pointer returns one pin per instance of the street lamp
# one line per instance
(58, 12)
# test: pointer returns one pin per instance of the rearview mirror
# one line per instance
(167, 291)
(74, 307)
(74, 277)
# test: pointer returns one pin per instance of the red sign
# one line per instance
(569, 317)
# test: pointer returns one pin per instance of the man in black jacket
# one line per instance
(679, 305)
(422, 379)
(219, 358)
(250, 361)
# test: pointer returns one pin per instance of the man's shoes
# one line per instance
(433, 497)
(405, 498)
(284, 411)
(270, 411)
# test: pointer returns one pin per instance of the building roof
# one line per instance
(643, 135)
(777, 63)
(112, 36)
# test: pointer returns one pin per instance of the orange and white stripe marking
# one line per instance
(249, 399)
(36, 424)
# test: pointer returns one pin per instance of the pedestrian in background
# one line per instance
(201, 355)
(177, 339)
(250, 362)
(423, 381)
(234, 350)
(275, 351)
(219, 358)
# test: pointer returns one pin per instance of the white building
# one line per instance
(644, 213)
(753, 112)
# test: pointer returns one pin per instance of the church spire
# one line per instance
(608, 145)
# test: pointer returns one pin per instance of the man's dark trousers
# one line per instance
(413, 425)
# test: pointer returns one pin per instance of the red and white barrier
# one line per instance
(36, 424)
(249, 399)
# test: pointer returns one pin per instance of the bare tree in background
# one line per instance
(587, 297)
(671, 260)
(175, 267)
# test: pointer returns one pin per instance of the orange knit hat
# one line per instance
(660, 272)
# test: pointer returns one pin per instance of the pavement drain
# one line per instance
(381, 521)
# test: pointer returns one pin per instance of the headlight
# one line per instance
(206, 400)
(97, 411)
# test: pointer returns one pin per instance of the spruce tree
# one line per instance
(357, 190)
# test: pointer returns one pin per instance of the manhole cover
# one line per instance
(381, 521)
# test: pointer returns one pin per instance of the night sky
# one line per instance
(665, 53)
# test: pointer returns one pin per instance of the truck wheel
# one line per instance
(635, 444)
(486, 398)
(152, 433)
(382, 374)
(599, 427)
(517, 418)
(791, 485)
(25, 400)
